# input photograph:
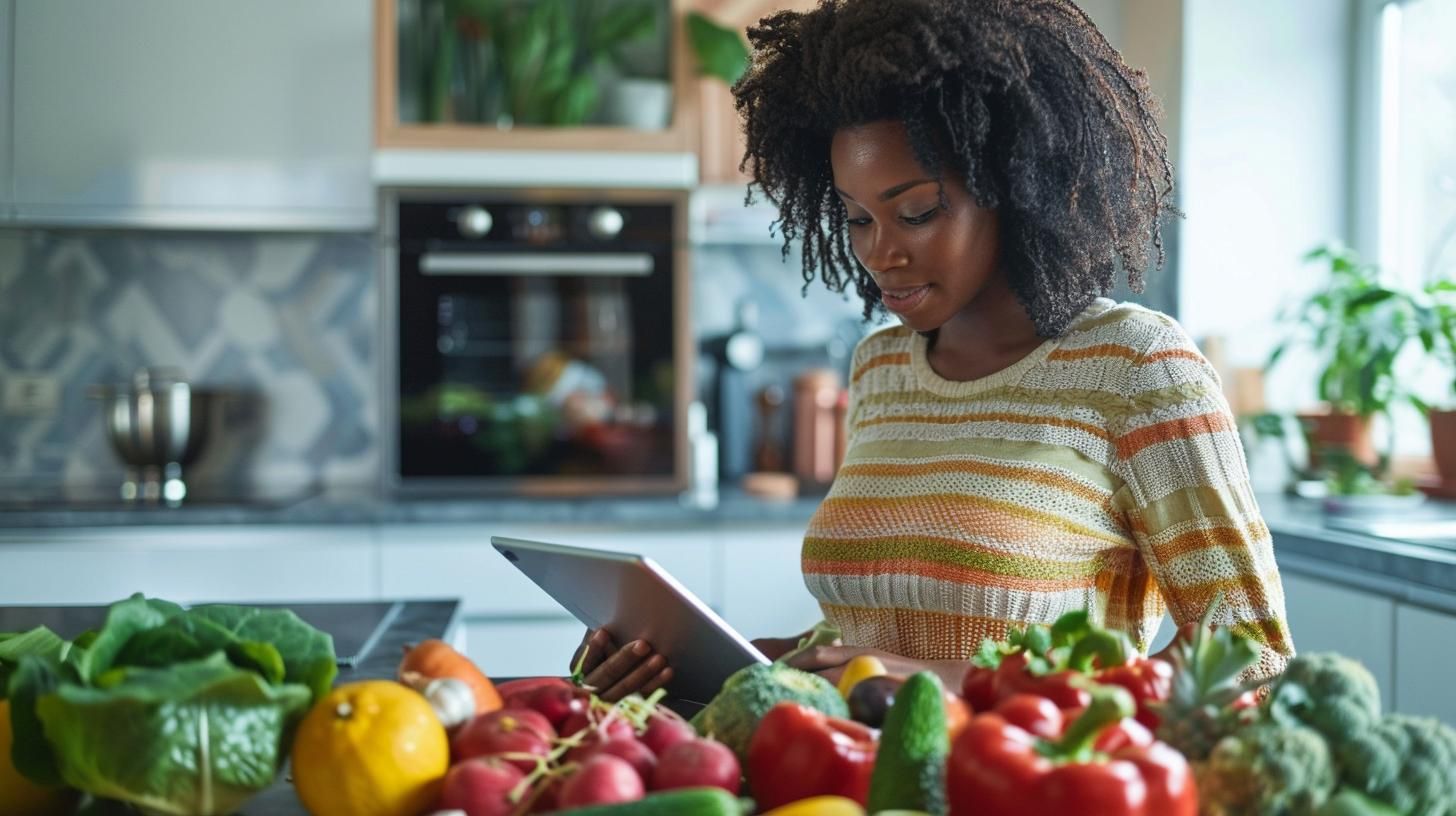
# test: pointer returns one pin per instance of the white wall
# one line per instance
(1264, 168)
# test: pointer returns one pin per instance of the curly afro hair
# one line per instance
(1023, 100)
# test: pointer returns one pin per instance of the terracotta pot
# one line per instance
(1443, 444)
(1339, 430)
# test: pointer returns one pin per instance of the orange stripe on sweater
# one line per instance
(1172, 354)
(1223, 536)
(1185, 428)
(1101, 350)
(897, 358)
(988, 416)
(951, 573)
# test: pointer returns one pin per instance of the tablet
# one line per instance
(632, 597)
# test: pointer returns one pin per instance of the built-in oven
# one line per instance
(536, 343)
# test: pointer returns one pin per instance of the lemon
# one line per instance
(372, 748)
(18, 795)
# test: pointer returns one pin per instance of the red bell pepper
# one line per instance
(797, 752)
(1149, 680)
(1000, 769)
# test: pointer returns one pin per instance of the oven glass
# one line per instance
(539, 349)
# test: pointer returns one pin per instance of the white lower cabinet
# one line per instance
(1425, 654)
(264, 564)
(506, 648)
(763, 582)
(1327, 617)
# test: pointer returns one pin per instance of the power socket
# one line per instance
(30, 395)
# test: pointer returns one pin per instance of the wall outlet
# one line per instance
(29, 395)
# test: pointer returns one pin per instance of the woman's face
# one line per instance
(929, 262)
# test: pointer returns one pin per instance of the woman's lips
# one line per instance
(904, 299)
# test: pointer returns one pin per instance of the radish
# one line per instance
(642, 760)
(698, 763)
(664, 731)
(602, 780)
(557, 702)
(580, 721)
(481, 787)
(508, 731)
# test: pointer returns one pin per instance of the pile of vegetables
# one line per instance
(180, 711)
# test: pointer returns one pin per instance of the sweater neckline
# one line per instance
(936, 384)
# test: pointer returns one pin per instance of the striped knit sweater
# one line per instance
(1102, 471)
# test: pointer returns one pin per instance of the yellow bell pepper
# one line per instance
(857, 669)
(820, 806)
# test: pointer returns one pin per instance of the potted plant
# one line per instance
(1357, 325)
(529, 63)
(1443, 421)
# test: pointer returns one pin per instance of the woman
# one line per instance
(1020, 446)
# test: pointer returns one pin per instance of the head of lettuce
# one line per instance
(176, 711)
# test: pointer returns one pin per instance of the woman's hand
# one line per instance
(617, 672)
(828, 662)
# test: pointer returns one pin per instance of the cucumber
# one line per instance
(909, 769)
(681, 802)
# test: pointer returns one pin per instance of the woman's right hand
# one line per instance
(616, 672)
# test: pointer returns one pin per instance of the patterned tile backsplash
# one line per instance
(285, 325)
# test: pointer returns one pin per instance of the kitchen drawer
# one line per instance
(763, 581)
(1327, 617)
(458, 561)
(1425, 661)
(522, 648)
(261, 564)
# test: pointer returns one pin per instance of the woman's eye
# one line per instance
(857, 222)
(921, 218)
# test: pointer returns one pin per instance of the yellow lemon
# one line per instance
(18, 795)
(859, 668)
(372, 748)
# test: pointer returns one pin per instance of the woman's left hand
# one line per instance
(828, 662)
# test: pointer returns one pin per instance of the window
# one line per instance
(1416, 229)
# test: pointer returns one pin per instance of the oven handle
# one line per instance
(632, 264)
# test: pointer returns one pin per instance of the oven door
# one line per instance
(538, 369)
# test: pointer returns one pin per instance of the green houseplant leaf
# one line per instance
(721, 51)
(192, 739)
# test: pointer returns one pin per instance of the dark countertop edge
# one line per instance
(326, 510)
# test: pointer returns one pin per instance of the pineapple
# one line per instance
(1208, 700)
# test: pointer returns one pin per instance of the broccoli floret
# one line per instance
(1330, 693)
(747, 696)
(1266, 770)
(1408, 763)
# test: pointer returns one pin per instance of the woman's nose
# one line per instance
(885, 253)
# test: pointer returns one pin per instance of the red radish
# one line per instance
(664, 731)
(515, 692)
(617, 728)
(557, 702)
(642, 760)
(602, 780)
(508, 731)
(698, 763)
(481, 787)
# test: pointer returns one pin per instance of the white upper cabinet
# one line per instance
(191, 113)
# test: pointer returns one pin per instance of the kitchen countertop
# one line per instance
(415, 621)
(365, 508)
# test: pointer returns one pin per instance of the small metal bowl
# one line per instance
(158, 426)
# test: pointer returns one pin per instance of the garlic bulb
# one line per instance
(452, 700)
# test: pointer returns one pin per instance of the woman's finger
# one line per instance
(618, 665)
(636, 678)
(663, 678)
(822, 657)
(597, 644)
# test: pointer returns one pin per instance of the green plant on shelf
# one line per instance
(721, 51)
(530, 63)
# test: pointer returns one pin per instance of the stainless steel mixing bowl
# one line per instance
(157, 425)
